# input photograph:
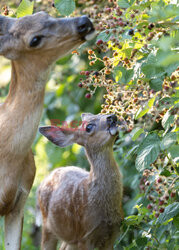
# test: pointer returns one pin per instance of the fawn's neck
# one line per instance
(104, 170)
(24, 103)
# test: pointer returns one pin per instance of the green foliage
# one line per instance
(25, 8)
(65, 7)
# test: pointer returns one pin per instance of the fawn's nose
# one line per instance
(84, 26)
(112, 120)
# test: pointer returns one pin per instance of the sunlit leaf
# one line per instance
(25, 8)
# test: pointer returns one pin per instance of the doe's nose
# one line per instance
(84, 26)
(111, 119)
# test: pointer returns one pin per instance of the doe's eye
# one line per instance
(89, 128)
(36, 40)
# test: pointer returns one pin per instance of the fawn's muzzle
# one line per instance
(85, 27)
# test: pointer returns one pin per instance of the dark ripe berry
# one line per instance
(166, 87)
(99, 42)
(166, 197)
(149, 206)
(173, 84)
(172, 194)
(80, 85)
(150, 26)
(159, 180)
(161, 209)
(96, 73)
(132, 15)
(131, 32)
(87, 73)
(53, 5)
(88, 95)
(150, 197)
(157, 215)
(161, 202)
(121, 23)
(147, 183)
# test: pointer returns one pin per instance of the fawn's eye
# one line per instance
(89, 128)
(36, 40)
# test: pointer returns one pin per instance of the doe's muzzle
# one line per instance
(85, 27)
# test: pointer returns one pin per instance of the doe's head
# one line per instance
(41, 34)
(96, 131)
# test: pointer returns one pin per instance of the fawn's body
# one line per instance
(32, 43)
(82, 208)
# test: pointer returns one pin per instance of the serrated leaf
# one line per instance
(123, 4)
(156, 84)
(136, 133)
(170, 211)
(167, 120)
(174, 153)
(65, 7)
(25, 8)
(168, 140)
(148, 151)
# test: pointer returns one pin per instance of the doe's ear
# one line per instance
(58, 136)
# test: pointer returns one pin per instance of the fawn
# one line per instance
(32, 43)
(83, 209)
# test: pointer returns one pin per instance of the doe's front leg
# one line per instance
(14, 224)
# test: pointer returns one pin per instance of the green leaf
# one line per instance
(174, 153)
(124, 4)
(168, 140)
(141, 112)
(151, 102)
(167, 120)
(156, 84)
(170, 211)
(148, 151)
(65, 7)
(25, 8)
(141, 241)
(103, 36)
(136, 133)
(127, 74)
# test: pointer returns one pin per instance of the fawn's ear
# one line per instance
(60, 137)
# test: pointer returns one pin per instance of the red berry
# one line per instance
(173, 193)
(157, 215)
(149, 206)
(159, 180)
(162, 209)
(166, 87)
(99, 42)
(132, 15)
(87, 73)
(80, 85)
(88, 95)
(82, 72)
(121, 24)
(161, 202)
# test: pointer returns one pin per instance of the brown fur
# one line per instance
(21, 112)
(83, 209)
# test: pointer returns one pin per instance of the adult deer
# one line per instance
(32, 43)
(83, 209)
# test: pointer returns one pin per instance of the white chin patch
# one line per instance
(113, 130)
(90, 36)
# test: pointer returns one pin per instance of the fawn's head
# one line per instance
(96, 131)
(42, 35)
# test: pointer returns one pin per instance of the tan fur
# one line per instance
(21, 112)
(83, 209)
